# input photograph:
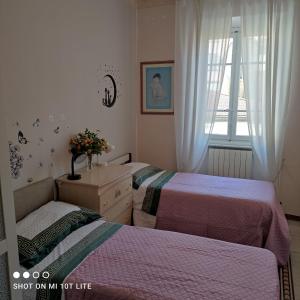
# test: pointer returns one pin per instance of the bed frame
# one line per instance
(124, 159)
(33, 196)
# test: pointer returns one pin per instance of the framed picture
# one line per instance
(157, 87)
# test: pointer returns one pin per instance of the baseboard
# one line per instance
(292, 217)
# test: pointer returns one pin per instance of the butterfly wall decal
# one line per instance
(36, 123)
(22, 140)
(56, 130)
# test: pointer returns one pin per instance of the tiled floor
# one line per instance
(295, 248)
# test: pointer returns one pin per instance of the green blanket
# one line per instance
(141, 175)
(151, 200)
(66, 263)
(31, 252)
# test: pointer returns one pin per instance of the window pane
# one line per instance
(242, 101)
(229, 56)
(221, 123)
(242, 104)
(242, 124)
(220, 127)
(225, 91)
(258, 51)
(212, 78)
(216, 50)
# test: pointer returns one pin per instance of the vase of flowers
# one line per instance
(89, 143)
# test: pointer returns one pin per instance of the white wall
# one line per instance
(50, 56)
(290, 178)
(155, 42)
(156, 142)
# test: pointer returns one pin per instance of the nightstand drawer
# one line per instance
(123, 205)
(112, 196)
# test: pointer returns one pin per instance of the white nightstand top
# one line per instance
(100, 175)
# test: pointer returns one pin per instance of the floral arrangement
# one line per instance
(89, 143)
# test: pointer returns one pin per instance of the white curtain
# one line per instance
(203, 30)
(266, 37)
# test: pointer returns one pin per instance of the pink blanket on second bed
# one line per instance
(230, 209)
(139, 263)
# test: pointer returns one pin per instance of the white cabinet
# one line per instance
(107, 190)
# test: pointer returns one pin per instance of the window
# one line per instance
(231, 114)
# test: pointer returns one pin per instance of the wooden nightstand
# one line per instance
(107, 190)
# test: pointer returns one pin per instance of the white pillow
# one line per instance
(43, 217)
(137, 166)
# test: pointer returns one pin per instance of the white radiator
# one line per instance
(230, 162)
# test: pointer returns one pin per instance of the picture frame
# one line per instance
(157, 81)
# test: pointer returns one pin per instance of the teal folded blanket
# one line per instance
(141, 175)
(152, 197)
(31, 252)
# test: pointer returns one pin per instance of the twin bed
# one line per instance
(112, 261)
(229, 209)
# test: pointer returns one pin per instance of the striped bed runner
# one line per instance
(66, 263)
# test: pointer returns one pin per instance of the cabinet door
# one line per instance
(9, 262)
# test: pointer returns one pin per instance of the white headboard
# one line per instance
(33, 196)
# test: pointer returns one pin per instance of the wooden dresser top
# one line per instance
(99, 175)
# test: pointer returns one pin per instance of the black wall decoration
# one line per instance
(21, 138)
(36, 123)
(56, 130)
(109, 100)
(21, 144)
(109, 85)
(16, 160)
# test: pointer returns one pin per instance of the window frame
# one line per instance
(232, 139)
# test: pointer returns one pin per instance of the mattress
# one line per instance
(142, 263)
(137, 263)
(55, 255)
(102, 260)
(230, 209)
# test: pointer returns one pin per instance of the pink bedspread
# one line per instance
(230, 209)
(139, 263)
